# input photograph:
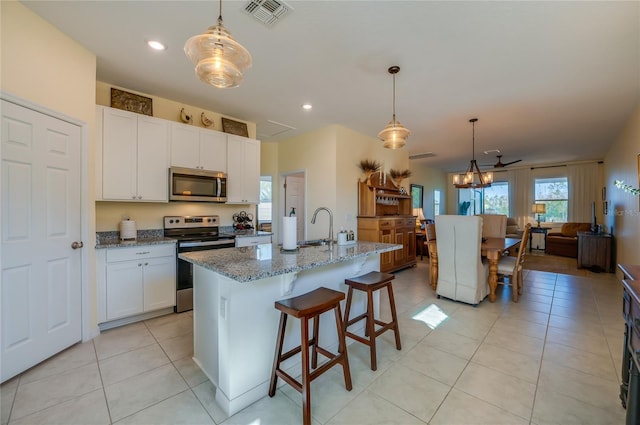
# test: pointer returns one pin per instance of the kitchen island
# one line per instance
(234, 318)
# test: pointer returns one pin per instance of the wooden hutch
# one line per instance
(385, 215)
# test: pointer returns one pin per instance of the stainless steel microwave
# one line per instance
(189, 184)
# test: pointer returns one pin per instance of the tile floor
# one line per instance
(552, 358)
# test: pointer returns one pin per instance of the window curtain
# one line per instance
(584, 189)
(521, 195)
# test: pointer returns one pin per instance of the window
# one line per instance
(264, 207)
(489, 200)
(554, 193)
(496, 199)
(416, 195)
(436, 202)
(469, 201)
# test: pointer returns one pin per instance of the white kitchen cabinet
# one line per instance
(134, 152)
(243, 170)
(193, 147)
(135, 280)
(253, 240)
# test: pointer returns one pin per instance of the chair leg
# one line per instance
(394, 317)
(520, 282)
(514, 287)
(371, 330)
(314, 343)
(342, 349)
(276, 359)
(347, 308)
(306, 382)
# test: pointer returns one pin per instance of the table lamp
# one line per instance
(417, 212)
(539, 209)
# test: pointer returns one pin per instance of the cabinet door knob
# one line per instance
(76, 244)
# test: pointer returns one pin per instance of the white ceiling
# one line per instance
(549, 81)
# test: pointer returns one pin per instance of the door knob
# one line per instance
(76, 244)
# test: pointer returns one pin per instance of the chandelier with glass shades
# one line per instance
(219, 59)
(394, 135)
(473, 178)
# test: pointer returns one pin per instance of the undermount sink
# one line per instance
(315, 242)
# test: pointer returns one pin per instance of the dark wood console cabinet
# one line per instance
(630, 386)
(594, 251)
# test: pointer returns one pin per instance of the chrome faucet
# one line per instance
(313, 221)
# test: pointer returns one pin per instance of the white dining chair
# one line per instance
(462, 274)
(494, 225)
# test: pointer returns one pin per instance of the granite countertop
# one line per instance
(117, 243)
(230, 231)
(144, 237)
(247, 264)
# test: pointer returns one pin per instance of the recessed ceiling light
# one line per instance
(156, 45)
(307, 106)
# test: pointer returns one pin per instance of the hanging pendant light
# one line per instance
(394, 135)
(473, 178)
(218, 58)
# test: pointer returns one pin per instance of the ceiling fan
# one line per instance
(501, 164)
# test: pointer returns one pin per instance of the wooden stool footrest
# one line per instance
(297, 385)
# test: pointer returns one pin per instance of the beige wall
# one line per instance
(170, 110)
(330, 158)
(314, 154)
(622, 163)
(43, 66)
(150, 215)
(351, 148)
(431, 179)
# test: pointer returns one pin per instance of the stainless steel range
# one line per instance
(193, 233)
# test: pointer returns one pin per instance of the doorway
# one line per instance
(294, 200)
(41, 288)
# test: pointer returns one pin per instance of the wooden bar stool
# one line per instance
(370, 283)
(307, 307)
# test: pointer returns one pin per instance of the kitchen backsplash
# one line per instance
(149, 215)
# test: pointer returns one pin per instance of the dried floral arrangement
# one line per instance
(369, 166)
(399, 175)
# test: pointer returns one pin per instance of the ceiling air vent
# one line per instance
(422, 155)
(267, 11)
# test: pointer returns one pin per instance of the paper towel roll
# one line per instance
(128, 231)
(289, 230)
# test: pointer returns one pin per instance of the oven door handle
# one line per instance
(206, 243)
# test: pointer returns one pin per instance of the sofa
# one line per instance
(512, 230)
(565, 242)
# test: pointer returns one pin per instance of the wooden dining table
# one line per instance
(491, 248)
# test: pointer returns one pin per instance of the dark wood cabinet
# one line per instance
(630, 375)
(396, 230)
(594, 251)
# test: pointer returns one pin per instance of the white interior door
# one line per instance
(294, 197)
(41, 273)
